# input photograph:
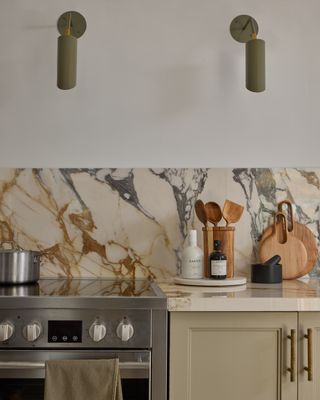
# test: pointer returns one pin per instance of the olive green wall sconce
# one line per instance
(244, 29)
(71, 25)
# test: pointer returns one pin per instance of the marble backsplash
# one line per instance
(133, 222)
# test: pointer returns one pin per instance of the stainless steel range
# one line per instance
(83, 319)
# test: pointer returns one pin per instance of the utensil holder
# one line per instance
(226, 235)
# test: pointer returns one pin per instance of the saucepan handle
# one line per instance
(37, 257)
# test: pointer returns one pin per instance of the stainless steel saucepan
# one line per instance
(18, 266)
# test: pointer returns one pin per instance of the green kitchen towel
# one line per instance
(83, 380)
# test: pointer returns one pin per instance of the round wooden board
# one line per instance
(293, 254)
(210, 282)
(304, 234)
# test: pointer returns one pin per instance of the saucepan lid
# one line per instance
(14, 248)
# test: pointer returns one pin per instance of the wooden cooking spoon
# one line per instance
(231, 212)
(201, 212)
(214, 212)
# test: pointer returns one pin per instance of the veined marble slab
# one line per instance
(110, 222)
(295, 295)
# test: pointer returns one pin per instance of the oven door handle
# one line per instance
(139, 365)
(21, 365)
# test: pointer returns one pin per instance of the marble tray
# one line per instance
(211, 282)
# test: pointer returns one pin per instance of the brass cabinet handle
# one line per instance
(309, 368)
(292, 338)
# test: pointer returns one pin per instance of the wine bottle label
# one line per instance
(218, 267)
(192, 268)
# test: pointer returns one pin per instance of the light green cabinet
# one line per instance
(226, 356)
(309, 355)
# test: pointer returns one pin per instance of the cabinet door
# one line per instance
(226, 356)
(309, 355)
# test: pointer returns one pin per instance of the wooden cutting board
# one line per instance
(292, 251)
(301, 232)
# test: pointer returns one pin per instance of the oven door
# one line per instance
(22, 372)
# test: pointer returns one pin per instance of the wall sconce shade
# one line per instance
(71, 26)
(255, 65)
(67, 62)
(244, 29)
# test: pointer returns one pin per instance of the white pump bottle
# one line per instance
(192, 258)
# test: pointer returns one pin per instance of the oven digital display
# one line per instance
(64, 331)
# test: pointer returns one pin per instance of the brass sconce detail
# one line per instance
(244, 29)
(71, 25)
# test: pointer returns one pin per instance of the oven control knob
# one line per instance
(97, 331)
(32, 331)
(125, 331)
(6, 330)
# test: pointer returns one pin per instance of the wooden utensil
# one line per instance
(301, 232)
(292, 251)
(231, 212)
(214, 212)
(201, 212)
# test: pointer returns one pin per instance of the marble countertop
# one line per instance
(294, 295)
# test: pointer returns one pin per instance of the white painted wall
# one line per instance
(160, 83)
